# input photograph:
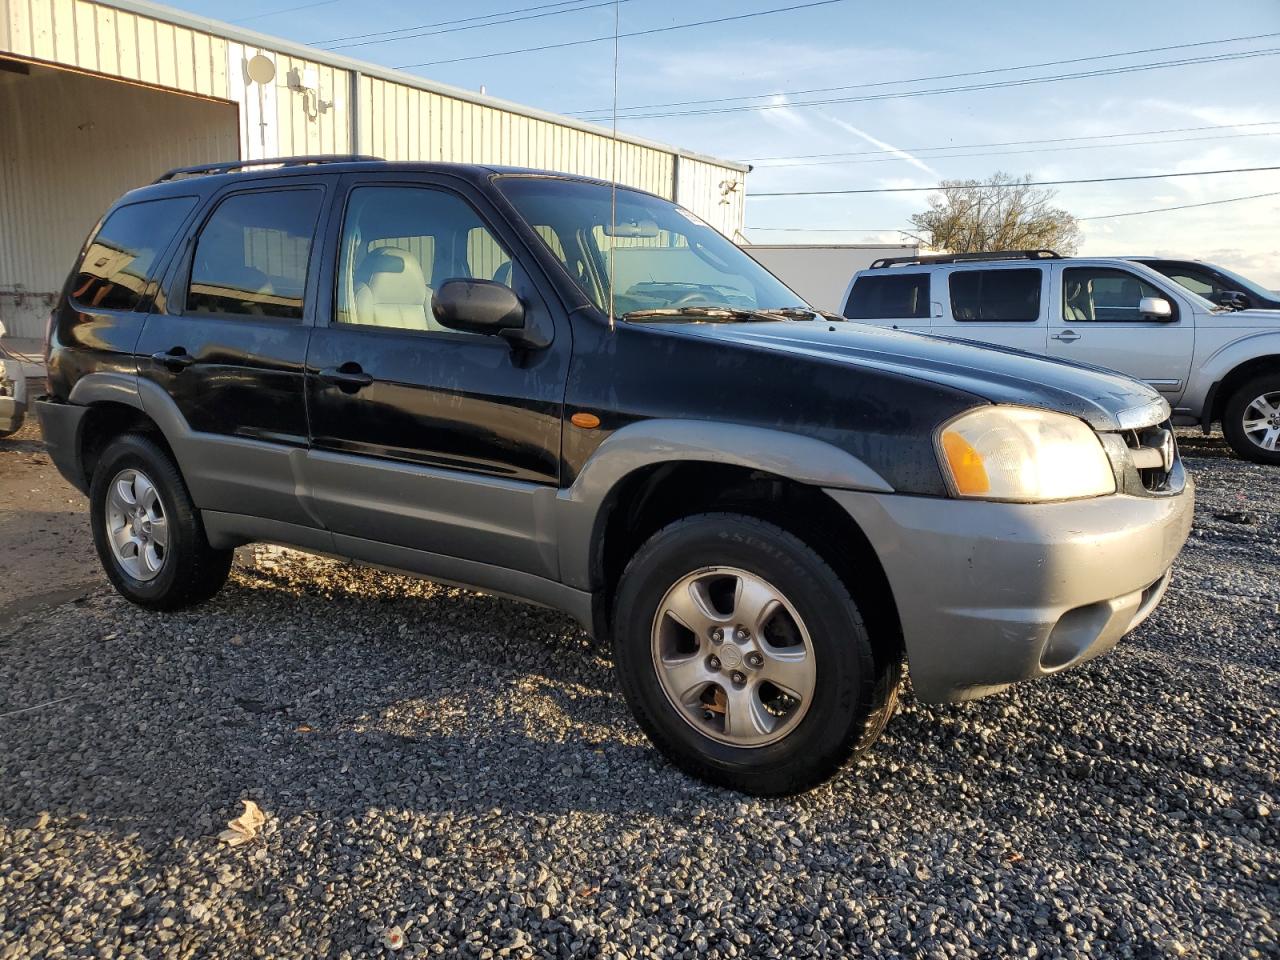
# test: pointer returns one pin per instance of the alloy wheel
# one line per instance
(733, 656)
(1261, 421)
(137, 527)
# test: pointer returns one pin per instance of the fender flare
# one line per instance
(580, 507)
(1224, 361)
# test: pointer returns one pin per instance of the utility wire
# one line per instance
(964, 88)
(1009, 153)
(635, 33)
(1182, 206)
(469, 24)
(1015, 183)
(272, 13)
(1105, 216)
(942, 76)
(1019, 143)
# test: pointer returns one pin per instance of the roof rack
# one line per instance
(966, 257)
(206, 169)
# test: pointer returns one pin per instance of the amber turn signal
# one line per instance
(588, 421)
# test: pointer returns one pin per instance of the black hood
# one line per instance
(1102, 398)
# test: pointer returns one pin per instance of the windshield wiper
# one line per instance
(803, 313)
(708, 312)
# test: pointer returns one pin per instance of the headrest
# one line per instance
(393, 276)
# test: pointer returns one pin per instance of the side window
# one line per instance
(891, 296)
(1103, 294)
(120, 260)
(995, 295)
(399, 244)
(251, 256)
(1197, 283)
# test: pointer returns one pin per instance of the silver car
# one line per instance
(13, 391)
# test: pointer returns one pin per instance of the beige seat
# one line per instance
(392, 292)
(1077, 304)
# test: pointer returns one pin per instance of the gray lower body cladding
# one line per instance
(990, 594)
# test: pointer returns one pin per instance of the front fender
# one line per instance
(579, 508)
(1218, 365)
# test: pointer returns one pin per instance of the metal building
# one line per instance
(97, 98)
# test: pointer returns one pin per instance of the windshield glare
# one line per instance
(659, 255)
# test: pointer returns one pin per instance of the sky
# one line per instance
(1185, 117)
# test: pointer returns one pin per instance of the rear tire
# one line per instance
(684, 684)
(1251, 419)
(147, 532)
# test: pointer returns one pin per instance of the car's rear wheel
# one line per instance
(744, 657)
(1251, 420)
(147, 531)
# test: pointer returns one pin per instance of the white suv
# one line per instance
(1211, 363)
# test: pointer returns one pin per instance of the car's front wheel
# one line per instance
(744, 657)
(148, 532)
(1251, 419)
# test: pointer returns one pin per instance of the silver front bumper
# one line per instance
(989, 594)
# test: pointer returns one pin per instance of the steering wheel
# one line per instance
(694, 298)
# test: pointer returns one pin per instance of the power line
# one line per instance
(1009, 153)
(1105, 216)
(965, 88)
(1016, 183)
(1019, 143)
(1182, 206)
(467, 23)
(272, 13)
(943, 76)
(635, 33)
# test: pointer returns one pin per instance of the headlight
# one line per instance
(1016, 453)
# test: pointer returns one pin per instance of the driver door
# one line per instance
(422, 436)
(1095, 318)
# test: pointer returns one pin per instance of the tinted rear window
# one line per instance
(999, 295)
(121, 258)
(877, 297)
(252, 255)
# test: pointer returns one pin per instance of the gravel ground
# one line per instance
(461, 771)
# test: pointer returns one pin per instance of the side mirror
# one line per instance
(482, 306)
(1155, 308)
(1233, 299)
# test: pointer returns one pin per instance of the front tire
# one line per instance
(147, 531)
(1251, 420)
(744, 657)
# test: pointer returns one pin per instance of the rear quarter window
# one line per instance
(121, 258)
(995, 295)
(252, 255)
(888, 297)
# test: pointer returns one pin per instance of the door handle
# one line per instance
(1066, 336)
(176, 359)
(348, 378)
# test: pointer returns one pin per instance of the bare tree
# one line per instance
(1000, 213)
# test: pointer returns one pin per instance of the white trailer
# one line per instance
(821, 272)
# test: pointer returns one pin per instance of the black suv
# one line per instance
(581, 395)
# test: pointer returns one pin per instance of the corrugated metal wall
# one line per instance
(71, 145)
(716, 194)
(403, 123)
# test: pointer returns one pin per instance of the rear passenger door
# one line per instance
(424, 437)
(893, 298)
(998, 305)
(229, 342)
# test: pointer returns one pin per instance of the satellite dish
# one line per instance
(260, 69)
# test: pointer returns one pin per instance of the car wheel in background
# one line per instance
(1251, 420)
(744, 657)
(148, 532)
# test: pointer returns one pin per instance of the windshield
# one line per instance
(663, 257)
(1245, 286)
